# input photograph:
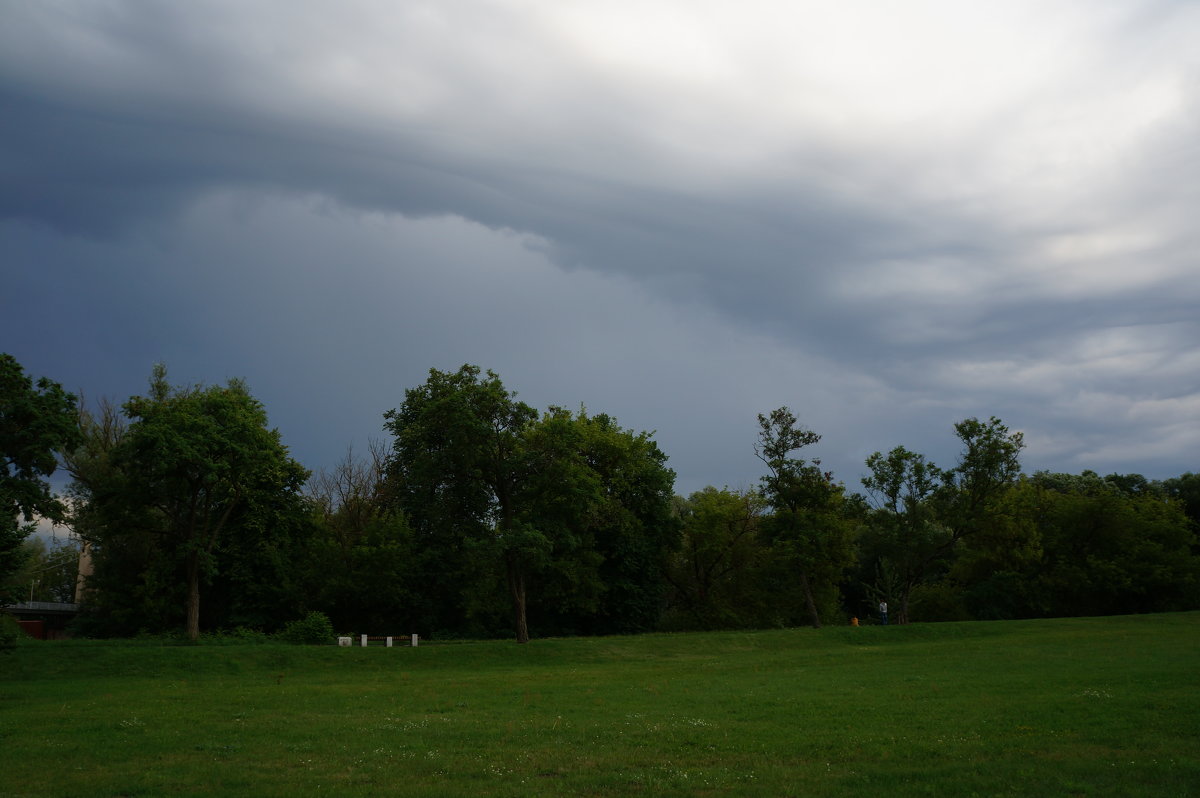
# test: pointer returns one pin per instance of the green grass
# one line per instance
(1101, 706)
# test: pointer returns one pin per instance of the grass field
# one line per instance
(1100, 706)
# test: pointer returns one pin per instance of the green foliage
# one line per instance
(482, 515)
(499, 499)
(315, 628)
(196, 490)
(1185, 489)
(810, 529)
(1111, 551)
(369, 583)
(601, 495)
(360, 566)
(48, 571)
(952, 528)
(1067, 544)
(988, 466)
(906, 541)
(37, 421)
(9, 632)
(238, 636)
(717, 574)
(456, 466)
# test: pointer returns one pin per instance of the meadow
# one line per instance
(1087, 707)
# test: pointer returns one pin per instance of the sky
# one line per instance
(887, 217)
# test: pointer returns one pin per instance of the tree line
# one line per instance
(482, 516)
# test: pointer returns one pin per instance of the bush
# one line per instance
(314, 628)
(247, 635)
(9, 630)
(235, 637)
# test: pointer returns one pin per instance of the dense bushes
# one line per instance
(313, 629)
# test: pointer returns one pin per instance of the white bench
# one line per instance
(414, 640)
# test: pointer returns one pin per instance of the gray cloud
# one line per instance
(683, 222)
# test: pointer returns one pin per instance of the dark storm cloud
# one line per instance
(764, 258)
(693, 227)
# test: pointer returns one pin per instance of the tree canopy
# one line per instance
(193, 464)
(37, 423)
(482, 515)
(808, 528)
(568, 501)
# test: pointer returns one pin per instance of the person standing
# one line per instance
(883, 612)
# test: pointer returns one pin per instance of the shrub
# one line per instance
(9, 630)
(314, 628)
(235, 637)
(247, 635)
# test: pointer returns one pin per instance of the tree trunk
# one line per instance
(902, 616)
(516, 585)
(193, 599)
(809, 602)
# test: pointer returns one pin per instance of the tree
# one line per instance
(906, 538)
(49, 571)
(951, 524)
(716, 574)
(991, 542)
(1108, 550)
(458, 466)
(194, 464)
(360, 566)
(808, 527)
(1186, 490)
(568, 501)
(90, 465)
(601, 497)
(132, 585)
(989, 464)
(353, 494)
(37, 422)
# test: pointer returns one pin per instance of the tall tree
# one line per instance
(906, 536)
(571, 502)
(926, 516)
(130, 585)
(90, 465)
(195, 463)
(1186, 490)
(37, 422)
(807, 525)
(458, 466)
(716, 574)
(601, 496)
(988, 465)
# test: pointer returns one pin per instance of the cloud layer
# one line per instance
(679, 213)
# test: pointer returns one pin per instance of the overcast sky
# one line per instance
(886, 216)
